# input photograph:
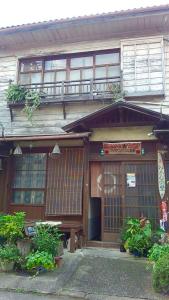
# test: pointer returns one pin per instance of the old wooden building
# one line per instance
(96, 150)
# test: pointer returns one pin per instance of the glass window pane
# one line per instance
(24, 78)
(74, 75)
(61, 76)
(30, 173)
(36, 78)
(114, 71)
(38, 197)
(87, 74)
(107, 59)
(29, 179)
(49, 77)
(100, 72)
(79, 62)
(17, 197)
(28, 66)
(31, 161)
(28, 197)
(55, 64)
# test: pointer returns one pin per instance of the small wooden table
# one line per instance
(73, 229)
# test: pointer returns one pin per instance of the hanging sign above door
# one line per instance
(161, 175)
(122, 148)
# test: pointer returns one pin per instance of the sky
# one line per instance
(16, 12)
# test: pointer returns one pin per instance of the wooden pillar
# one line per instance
(7, 184)
(86, 192)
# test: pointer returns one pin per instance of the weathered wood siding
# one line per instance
(50, 119)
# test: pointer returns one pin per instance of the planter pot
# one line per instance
(60, 249)
(58, 261)
(6, 266)
(24, 247)
(137, 253)
(122, 249)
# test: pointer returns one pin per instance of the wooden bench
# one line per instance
(73, 229)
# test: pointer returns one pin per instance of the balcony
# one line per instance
(72, 91)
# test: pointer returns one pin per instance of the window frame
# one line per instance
(68, 69)
(137, 88)
(13, 189)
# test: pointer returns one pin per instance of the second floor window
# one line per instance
(143, 67)
(71, 68)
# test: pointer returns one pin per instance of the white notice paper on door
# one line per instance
(131, 179)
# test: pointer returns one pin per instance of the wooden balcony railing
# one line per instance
(76, 90)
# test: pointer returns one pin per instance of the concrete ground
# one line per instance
(20, 296)
(93, 274)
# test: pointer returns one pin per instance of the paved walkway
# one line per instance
(93, 274)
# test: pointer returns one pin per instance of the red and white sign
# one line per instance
(122, 148)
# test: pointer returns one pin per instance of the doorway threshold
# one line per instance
(102, 244)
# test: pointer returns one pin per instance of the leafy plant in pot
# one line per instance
(47, 238)
(31, 98)
(12, 226)
(130, 227)
(37, 262)
(140, 242)
(9, 254)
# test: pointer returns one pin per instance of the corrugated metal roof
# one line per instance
(128, 12)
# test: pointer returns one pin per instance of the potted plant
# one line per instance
(9, 254)
(12, 226)
(29, 97)
(37, 262)
(48, 238)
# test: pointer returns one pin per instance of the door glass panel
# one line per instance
(55, 64)
(35, 65)
(24, 79)
(74, 75)
(107, 59)
(61, 76)
(100, 72)
(114, 71)
(49, 77)
(36, 78)
(79, 62)
(87, 74)
(112, 197)
(143, 198)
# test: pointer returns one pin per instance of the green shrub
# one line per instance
(141, 241)
(136, 238)
(130, 226)
(161, 274)
(12, 226)
(38, 260)
(15, 93)
(9, 253)
(47, 238)
(157, 251)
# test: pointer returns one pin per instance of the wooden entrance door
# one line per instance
(126, 189)
(112, 200)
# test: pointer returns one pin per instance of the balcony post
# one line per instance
(91, 88)
(62, 90)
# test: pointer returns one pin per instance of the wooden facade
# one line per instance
(75, 64)
(87, 187)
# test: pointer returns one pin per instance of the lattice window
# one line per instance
(29, 179)
(64, 183)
